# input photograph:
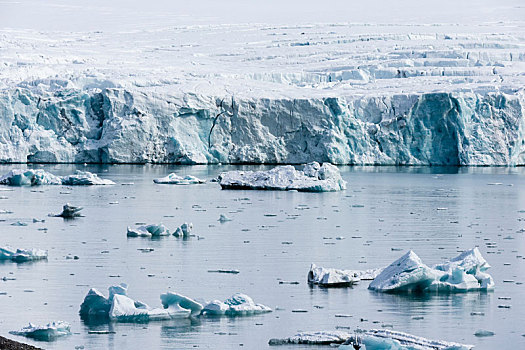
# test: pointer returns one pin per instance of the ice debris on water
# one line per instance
(223, 218)
(152, 230)
(69, 212)
(373, 339)
(463, 273)
(174, 179)
(22, 255)
(119, 307)
(183, 230)
(238, 305)
(48, 332)
(313, 178)
(36, 177)
(328, 277)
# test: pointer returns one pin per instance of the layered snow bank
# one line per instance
(35, 177)
(313, 178)
(121, 308)
(238, 305)
(174, 179)
(48, 332)
(329, 277)
(463, 273)
(22, 255)
(371, 339)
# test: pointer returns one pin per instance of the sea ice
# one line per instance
(238, 305)
(183, 230)
(328, 277)
(174, 179)
(69, 212)
(22, 255)
(36, 177)
(461, 274)
(313, 178)
(48, 332)
(148, 231)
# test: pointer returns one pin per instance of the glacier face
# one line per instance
(118, 125)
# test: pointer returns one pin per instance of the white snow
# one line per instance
(238, 305)
(152, 230)
(313, 178)
(35, 177)
(48, 332)
(22, 255)
(174, 179)
(409, 274)
(345, 84)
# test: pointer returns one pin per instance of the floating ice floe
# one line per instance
(69, 212)
(328, 277)
(223, 218)
(148, 231)
(461, 274)
(36, 177)
(48, 332)
(313, 178)
(370, 340)
(22, 255)
(238, 305)
(183, 230)
(174, 179)
(120, 308)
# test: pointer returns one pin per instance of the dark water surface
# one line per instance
(383, 208)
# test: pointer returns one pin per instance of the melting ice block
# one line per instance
(328, 277)
(313, 178)
(183, 230)
(35, 177)
(148, 231)
(22, 255)
(174, 179)
(48, 332)
(371, 339)
(69, 212)
(238, 305)
(409, 274)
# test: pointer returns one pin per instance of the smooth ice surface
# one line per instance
(152, 230)
(313, 178)
(238, 305)
(49, 332)
(365, 82)
(174, 179)
(409, 274)
(329, 277)
(385, 212)
(22, 255)
(35, 177)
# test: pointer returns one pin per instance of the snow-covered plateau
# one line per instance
(344, 93)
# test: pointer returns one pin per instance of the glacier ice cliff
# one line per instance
(117, 125)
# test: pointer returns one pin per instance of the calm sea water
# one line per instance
(384, 209)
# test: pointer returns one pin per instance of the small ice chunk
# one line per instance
(70, 212)
(238, 305)
(314, 338)
(484, 333)
(22, 255)
(183, 230)
(313, 178)
(48, 332)
(84, 178)
(29, 177)
(223, 218)
(148, 231)
(328, 277)
(174, 179)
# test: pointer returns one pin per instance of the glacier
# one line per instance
(345, 93)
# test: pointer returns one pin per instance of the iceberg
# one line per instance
(329, 277)
(183, 230)
(313, 178)
(370, 340)
(148, 231)
(174, 179)
(119, 307)
(238, 305)
(463, 273)
(69, 212)
(22, 255)
(49, 332)
(36, 177)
